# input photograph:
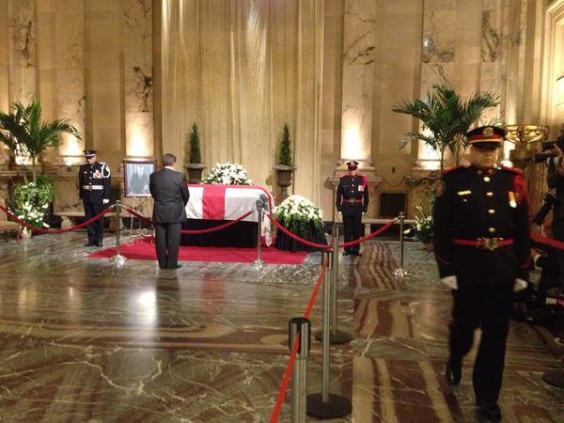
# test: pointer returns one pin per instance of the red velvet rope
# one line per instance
(548, 241)
(294, 352)
(371, 235)
(54, 231)
(196, 231)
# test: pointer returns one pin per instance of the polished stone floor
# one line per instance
(87, 340)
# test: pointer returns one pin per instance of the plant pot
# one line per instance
(195, 172)
(283, 179)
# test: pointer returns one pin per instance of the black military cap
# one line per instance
(486, 136)
(89, 153)
(352, 165)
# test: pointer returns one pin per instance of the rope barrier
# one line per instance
(548, 241)
(294, 352)
(54, 231)
(371, 235)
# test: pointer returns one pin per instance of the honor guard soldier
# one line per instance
(94, 184)
(482, 247)
(352, 200)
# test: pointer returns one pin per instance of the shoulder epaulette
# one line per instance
(512, 170)
(452, 169)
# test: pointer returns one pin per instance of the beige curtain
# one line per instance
(241, 69)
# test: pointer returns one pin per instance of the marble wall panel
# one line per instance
(22, 44)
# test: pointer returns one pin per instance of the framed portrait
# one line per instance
(136, 177)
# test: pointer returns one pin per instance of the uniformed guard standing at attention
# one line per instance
(94, 184)
(482, 247)
(352, 200)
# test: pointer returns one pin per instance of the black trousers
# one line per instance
(488, 308)
(352, 226)
(95, 229)
(167, 242)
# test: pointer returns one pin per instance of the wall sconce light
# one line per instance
(71, 161)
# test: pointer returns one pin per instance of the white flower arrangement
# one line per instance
(227, 174)
(298, 214)
(31, 203)
(422, 230)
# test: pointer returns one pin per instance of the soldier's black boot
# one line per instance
(489, 412)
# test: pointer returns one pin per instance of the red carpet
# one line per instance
(145, 250)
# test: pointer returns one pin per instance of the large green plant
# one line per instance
(23, 126)
(30, 202)
(445, 118)
(194, 153)
(285, 153)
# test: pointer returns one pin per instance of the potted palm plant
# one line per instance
(284, 167)
(23, 130)
(445, 118)
(195, 166)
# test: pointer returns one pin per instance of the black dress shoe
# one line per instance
(346, 253)
(98, 244)
(489, 412)
(453, 372)
(177, 266)
(89, 244)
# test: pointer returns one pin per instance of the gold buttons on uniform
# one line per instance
(486, 179)
(489, 194)
(491, 230)
(491, 211)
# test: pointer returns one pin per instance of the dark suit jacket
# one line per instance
(170, 192)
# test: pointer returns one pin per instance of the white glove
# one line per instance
(105, 201)
(450, 281)
(519, 285)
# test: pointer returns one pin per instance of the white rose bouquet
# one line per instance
(298, 214)
(422, 229)
(227, 174)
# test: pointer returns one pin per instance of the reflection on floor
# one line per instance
(87, 340)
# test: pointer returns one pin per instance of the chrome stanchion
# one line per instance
(400, 271)
(325, 404)
(299, 327)
(118, 258)
(336, 336)
(261, 204)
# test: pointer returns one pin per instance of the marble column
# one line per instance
(138, 71)
(69, 70)
(358, 83)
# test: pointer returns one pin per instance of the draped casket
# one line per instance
(214, 205)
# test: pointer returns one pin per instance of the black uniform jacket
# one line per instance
(94, 182)
(170, 192)
(352, 195)
(473, 204)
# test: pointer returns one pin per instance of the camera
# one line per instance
(547, 155)
(549, 201)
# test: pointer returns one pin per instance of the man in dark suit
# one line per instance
(482, 247)
(94, 185)
(170, 192)
(352, 200)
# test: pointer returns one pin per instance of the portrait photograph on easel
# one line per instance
(136, 177)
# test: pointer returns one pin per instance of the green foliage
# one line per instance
(23, 127)
(195, 155)
(445, 118)
(30, 202)
(285, 153)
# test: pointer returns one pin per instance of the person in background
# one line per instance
(94, 185)
(352, 201)
(482, 248)
(169, 189)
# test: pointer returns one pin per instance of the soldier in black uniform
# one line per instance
(482, 247)
(94, 184)
(352, 201)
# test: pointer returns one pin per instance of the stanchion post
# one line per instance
(260, 209)
(335, 336)
(299, 327)
(400, 271)
(118, 258)
(325, 404)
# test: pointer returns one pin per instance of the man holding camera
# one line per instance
(555, 180)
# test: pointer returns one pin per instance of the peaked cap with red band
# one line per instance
(489, 134)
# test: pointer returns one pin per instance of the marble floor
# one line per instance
(86, 340)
